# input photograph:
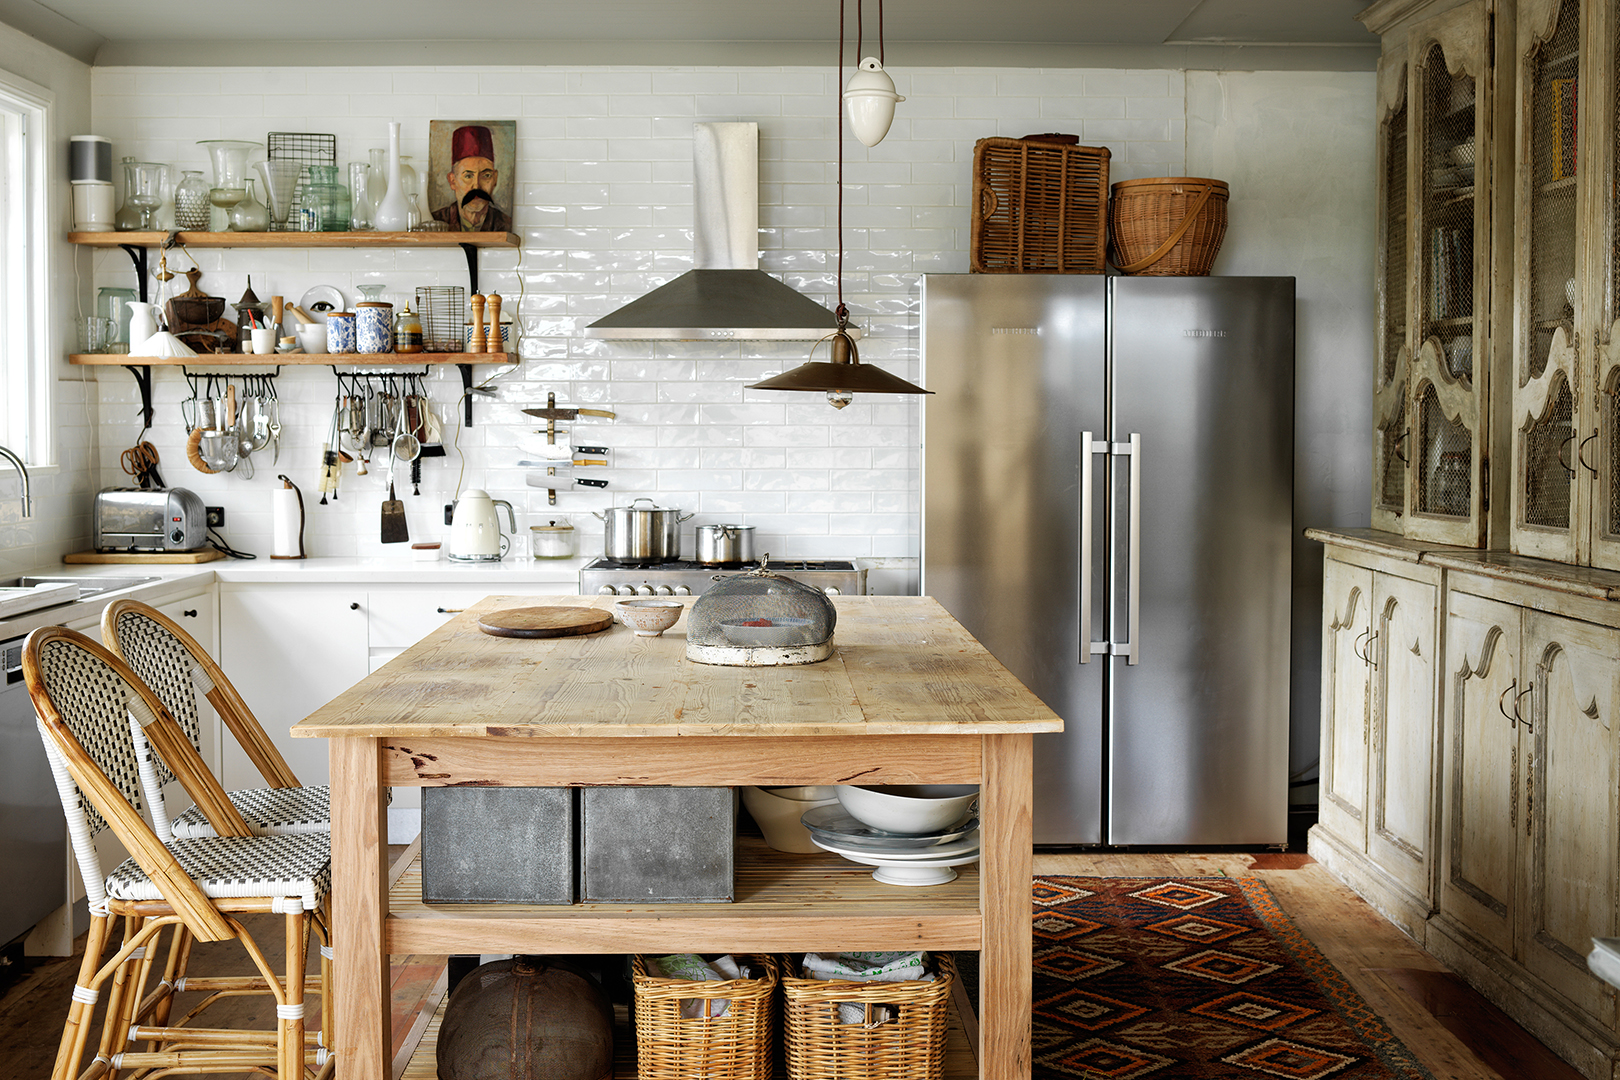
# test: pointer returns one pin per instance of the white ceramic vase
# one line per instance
(393, 213)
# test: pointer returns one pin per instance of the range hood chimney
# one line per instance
(727, 296)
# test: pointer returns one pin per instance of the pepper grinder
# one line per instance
(475, 344)
(492, 342)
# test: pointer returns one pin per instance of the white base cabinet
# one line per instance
(289, 649)
(1471, 771)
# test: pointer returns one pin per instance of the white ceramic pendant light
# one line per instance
(843, 375)
(869, 101)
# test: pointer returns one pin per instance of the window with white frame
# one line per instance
(26, 337)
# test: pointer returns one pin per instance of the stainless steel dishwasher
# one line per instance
(33, 834)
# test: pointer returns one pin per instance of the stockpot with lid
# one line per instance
(644, 534)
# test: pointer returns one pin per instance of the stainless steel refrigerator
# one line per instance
(1107, 506)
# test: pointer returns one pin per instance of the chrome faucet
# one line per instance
(22, 471)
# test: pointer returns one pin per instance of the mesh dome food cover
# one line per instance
(760, 619)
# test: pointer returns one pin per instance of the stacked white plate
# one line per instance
(900, 859)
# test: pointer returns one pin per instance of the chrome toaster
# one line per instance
(140, 520)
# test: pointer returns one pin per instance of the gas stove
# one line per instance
(686, 577)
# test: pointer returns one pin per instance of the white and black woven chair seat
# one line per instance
(240, 866)
(268, 812)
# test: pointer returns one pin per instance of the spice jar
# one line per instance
(374, 326)
(553, 541)
(407, 331)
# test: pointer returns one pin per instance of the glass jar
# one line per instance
(129, 216)
(329, 198)
(407, 331)
(553, 541)
(248, 214)
(191, 206)
(410, 184)
(359, 196)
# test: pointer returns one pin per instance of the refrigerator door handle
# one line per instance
(1131, 648)
(1088, 447)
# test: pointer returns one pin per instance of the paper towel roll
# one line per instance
(286, 524)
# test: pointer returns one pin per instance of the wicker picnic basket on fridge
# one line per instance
(900, 1034)
(735, 1045)
(1168, 226)
(1039, 206)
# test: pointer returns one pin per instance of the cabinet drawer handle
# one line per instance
(1501, 701)
(1396, 449)
(1367, 650)
(1561, 448)
(1580, 453)
(354, 607)
(190, 613)
(1517, 717)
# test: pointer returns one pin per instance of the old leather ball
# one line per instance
(530, 1018)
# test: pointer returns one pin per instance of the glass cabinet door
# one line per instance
(1547, 396)
(1597, 452)
(1392, 287)
(1451, 95)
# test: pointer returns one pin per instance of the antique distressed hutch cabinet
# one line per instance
(1471, 639)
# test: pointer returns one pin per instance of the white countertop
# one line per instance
(177, 579)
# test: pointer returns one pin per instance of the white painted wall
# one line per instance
(63, 477)
(1298, 156)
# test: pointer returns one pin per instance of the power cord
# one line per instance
(217, 542)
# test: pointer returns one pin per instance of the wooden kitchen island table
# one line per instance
(908, 697)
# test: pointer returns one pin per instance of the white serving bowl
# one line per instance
(649, 618)
(778, 819)
(820, 794)
(909, 808)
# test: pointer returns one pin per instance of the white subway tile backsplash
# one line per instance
(604, 208)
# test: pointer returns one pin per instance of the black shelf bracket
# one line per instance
(143, 381)
(471, 252)
(137, 255)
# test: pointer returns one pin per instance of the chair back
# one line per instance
(87, 703)
(171, 662)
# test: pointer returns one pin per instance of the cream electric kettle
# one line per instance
(475, 529)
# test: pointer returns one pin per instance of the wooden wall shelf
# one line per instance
(365, 239)
(289, 359)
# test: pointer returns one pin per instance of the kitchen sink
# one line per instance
(19, 595)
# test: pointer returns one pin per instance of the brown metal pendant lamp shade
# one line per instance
(844, 376)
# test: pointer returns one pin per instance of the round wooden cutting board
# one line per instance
(542, 622)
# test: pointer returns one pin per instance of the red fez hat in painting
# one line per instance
(473, 140)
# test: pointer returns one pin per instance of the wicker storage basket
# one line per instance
(1039, 206)
(1169, 225)
(735, 1046)
(910, 1044)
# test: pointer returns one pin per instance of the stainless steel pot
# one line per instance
(721, 544)
(641, 534)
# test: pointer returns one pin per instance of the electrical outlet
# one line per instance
(215, 516)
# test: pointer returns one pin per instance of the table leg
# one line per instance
(1005, 869)
(359, 907)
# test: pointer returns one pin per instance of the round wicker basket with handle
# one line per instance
(1167, 225)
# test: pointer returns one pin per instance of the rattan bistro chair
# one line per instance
(85, 698)
(171, 662)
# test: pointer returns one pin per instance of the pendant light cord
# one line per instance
(838, 127)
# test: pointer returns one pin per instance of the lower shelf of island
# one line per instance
(784, 903)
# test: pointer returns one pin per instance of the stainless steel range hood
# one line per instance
(727, 296)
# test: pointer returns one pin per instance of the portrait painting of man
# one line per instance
(471, 173)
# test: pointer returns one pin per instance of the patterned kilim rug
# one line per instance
(1190, 978)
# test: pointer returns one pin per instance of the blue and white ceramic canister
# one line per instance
(374, 326)
(340, 332)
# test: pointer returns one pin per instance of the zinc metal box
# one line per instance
(499, 845)
(658, 844)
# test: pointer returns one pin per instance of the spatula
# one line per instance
(394, 527)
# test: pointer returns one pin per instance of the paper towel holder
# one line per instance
(287, 483)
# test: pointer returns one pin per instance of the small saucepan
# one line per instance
(719, 545)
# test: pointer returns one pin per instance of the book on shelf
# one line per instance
(1566, 126)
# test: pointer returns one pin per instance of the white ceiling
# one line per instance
(1253, 33)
